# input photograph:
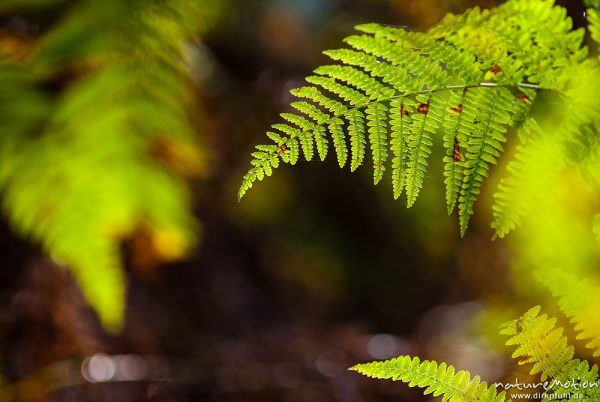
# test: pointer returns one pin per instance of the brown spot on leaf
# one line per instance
(456, 155)
(524, 98)
(423, 108)
(495, 70)
(457, 109)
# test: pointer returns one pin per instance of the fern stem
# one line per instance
(491, 85)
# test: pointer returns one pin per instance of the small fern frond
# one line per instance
(465, 82)
(541, 343)
(437, 379)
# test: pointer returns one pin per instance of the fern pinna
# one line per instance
(465, 82)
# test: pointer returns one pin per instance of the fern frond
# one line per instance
(437, 379)
(467, 80)
(541, 343)
(538, 341)
(89, 166)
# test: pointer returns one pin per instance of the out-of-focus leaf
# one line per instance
(96, 141)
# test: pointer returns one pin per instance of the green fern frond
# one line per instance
(538, 341)
(437, 379)
(465, 82)
(541, 343)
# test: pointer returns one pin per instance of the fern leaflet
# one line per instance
(578, 300)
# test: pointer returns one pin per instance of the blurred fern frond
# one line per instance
(96, 141)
